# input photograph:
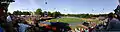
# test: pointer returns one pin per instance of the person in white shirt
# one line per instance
(9, 23)
(9, 18)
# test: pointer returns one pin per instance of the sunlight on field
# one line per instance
(74, 21)
(66, 20)
(71, 20)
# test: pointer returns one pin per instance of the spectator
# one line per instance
(77, 30)
(9, 18)
(1, 30)
(23, 26)
(113, 23)
(9, 23)
(90, 29)
(86, 24)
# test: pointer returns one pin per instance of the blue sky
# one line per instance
(66, 6)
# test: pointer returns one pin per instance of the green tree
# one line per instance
(56, 14)
(63, 15)
(8, 13)
(38, 11)
(87, 16)
(17, 12)
(25, 13)
(49, 13)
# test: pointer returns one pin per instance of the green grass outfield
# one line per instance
(70, 20)
(66, 20)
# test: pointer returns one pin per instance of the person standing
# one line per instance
(23, 26)
(9, 23)
(114, 23)
(1, 30)
(9, 18)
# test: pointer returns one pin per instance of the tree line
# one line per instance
(56, 14)
(38, 12)
(21, 13)
(87, 15)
